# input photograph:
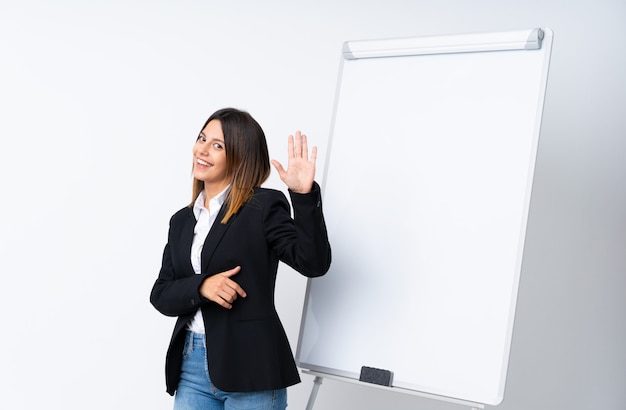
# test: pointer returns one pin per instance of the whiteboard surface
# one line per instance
(426, 196)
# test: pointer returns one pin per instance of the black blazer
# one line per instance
(247, 348)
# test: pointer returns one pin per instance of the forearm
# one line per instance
(174, 297)
(313, 254)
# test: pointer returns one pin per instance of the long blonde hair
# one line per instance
(247, 158)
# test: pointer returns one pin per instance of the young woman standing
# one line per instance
(229, 349)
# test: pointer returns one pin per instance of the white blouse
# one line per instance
(204, 220)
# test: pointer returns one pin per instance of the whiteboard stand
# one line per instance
(317, 382)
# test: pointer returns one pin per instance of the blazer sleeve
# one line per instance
(176, 290)
(301, 242)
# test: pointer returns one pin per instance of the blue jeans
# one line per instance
(196, 391)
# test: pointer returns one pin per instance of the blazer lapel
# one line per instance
(217, 231)
(186, 239)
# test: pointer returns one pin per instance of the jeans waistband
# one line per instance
(195, 338)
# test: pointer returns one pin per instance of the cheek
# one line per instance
(221, 156)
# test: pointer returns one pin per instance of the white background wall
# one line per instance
(100, 103)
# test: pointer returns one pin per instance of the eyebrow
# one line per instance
(214, 139)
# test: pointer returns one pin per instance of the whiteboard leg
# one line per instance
(316, 386)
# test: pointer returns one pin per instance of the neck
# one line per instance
(211, 191)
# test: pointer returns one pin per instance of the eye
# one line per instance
(201, 138)
(218, 145)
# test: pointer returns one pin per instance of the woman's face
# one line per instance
(209, 157)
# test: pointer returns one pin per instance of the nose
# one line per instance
(201, 149)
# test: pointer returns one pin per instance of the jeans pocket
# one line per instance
(188, 347)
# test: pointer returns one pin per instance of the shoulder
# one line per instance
(265, 196)
(268, 194)
(181, 215)
(267, 199)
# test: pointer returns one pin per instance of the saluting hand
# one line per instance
(300, 171)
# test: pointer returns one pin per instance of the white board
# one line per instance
(426, 195)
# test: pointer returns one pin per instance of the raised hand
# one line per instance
(300, 171)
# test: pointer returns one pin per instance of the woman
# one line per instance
(228, 349)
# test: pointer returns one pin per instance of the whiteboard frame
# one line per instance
(479, 42)
(400, 390)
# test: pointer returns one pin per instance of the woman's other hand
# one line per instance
(222, 290)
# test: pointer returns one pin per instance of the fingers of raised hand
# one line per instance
(297, 146)
(279, 168)
(313, 155)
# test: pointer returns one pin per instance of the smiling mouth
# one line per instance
(203, 162)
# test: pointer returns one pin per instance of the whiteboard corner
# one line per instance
(347, 52)
(497, 400)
